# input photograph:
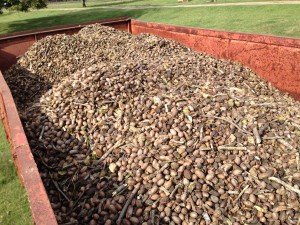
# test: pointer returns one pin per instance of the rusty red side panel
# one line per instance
(42, 212)
(276, 59)
(15, 45)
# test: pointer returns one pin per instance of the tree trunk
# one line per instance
(83, 3)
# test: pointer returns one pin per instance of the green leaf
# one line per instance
(62, 172)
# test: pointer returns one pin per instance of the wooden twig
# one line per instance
(177, 142)
(122, 214)
(118, 144)
(287, 186)
(263, 128)
(232, 148)
(59, 190)
(152, 215)
(298, 126)
(211, 144)
(165, 166)
(165, 190)
(298, 160)
(201, 132)
(286, 144)
(256, 135)
(228, 121)
(106, 102)
(119, 189)
(178, 185)
(242, 192)
(68, 166)
(42, 133)
(233, 192)
(249, 88)
(204, 149)
(192, 204)
(272, 138)
(44, 163)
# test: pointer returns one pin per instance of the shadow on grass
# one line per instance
(71, 18)
(119, 3)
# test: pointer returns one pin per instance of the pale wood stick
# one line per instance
(256, 135)
(42, 133)
(118, 144)
(242, 192)
(287, 186)
(272, 138)
(231, 148)
(228, 121)
(286, 144)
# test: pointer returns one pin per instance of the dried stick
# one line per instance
(256, 135)
(152, 215)
(231, 148)
(118, 144)
(76, 202)
(286, 144)
(233, 192)
(165, 166)
(42, 133)
(60, 191)
(44, 163)
(298, 160)
(192, 203)
(201, 132)
(119, 189)
(177, 142)
(122, 214)
(287, 186)
(165, 190)
(242, 192)
(263, 128)
(204, 149)
(298, 126)
(175, 189)
(272, 138)
(228, 121)
(68, 166)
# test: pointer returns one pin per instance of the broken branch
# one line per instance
(287, 186)
(133, 193)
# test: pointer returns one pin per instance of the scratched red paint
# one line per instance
(42, 212)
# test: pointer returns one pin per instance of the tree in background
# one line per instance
(1, 5)
(22, 5)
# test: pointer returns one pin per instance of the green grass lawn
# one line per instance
(95, 3)
(283, 20)
(14, 207)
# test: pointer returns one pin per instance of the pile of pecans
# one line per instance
(145, 131)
